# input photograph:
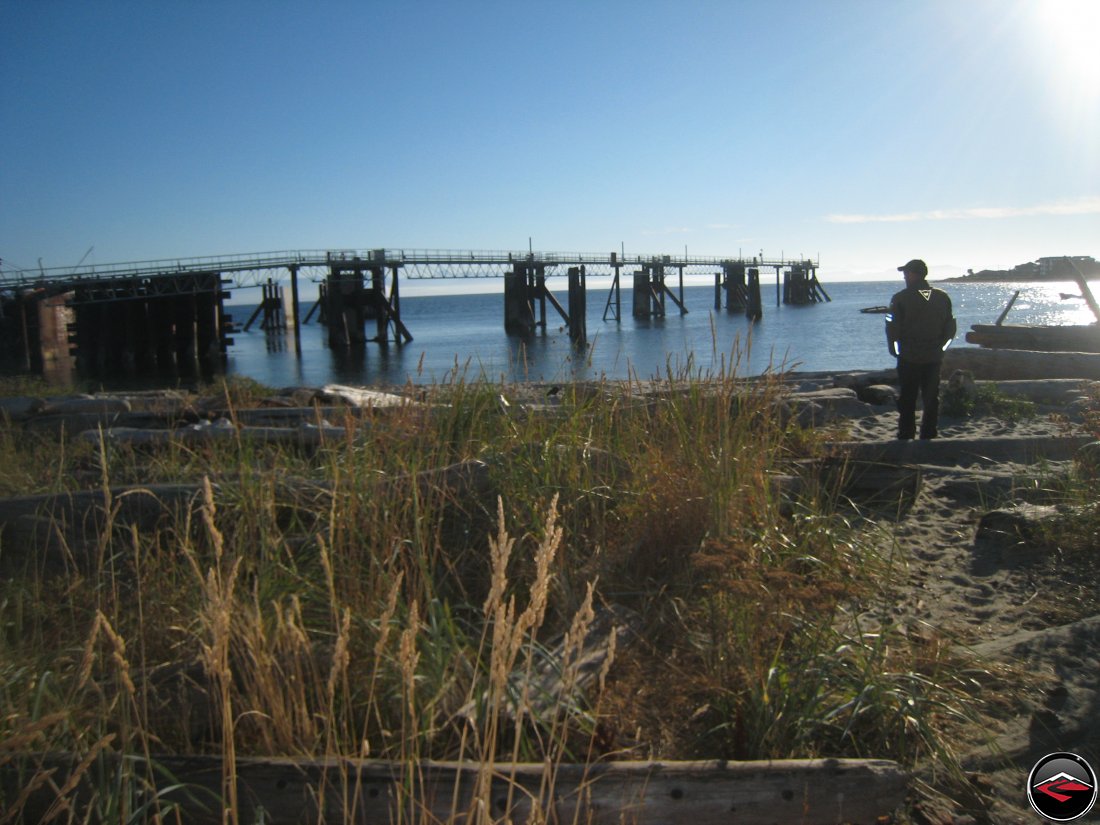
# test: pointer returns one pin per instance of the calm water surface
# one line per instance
(464, 335)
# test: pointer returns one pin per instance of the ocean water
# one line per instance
(463, 336)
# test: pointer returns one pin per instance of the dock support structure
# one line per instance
(650, 291)
(731, 280)
(754, 306)
(350, 301)
(615, 293)
(800, 285)
(295, 309)
(171, 325)
(578, 306)
(526, 296)
(273, 306)
(36, 333)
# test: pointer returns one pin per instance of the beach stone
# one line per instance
(959, 395)
(879, 395)
(827, 405)
(962, 381)
(1019, 522)
(856, 380)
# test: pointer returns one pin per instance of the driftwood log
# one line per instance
(965, 451)
(379, 793)
(1038, 338)
(304, 435)
(58, 527)
(1010, 364)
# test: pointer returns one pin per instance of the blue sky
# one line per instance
(966, 132)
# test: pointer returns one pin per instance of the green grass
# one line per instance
(986, 399)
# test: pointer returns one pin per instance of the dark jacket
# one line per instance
(920, 324)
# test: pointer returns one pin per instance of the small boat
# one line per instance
(1069, 296)
(880, 310)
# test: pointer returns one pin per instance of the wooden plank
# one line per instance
(379, 793)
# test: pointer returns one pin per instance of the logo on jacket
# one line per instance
(926, 294)
(1061, 787)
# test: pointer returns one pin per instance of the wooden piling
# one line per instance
(733, 273)
(754, 307)
(642, 297)
(295, 309)
(578, 326)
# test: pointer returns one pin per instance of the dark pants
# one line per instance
(922, 380)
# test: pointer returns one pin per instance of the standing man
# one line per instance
(919, 327)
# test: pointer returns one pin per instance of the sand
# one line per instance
(973, 573)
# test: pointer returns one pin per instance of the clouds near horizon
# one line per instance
(1081, 206)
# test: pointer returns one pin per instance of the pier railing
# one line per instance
(251, 269)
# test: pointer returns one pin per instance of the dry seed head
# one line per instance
(118, 653)
(574, 637)
(89, 653)
(208, 512)
(500, 550)
(340, 656)
(408, 655)
(387, 617)
(533, 617)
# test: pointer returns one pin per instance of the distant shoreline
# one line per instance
(1044, 270)
(1008, 277)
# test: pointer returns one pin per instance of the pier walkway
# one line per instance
(171, 312)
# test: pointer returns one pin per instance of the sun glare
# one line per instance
(1070, 30)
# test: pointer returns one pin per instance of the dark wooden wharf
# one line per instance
(169, 316)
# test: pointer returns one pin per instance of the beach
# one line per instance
(970, 564)
(974, 570)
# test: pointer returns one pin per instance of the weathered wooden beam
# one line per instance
(30, 525)
(965, 451)
(803, 791)
(1012, 364)
(1036, 338)
(304, 435)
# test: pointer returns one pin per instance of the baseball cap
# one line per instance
(916, 266)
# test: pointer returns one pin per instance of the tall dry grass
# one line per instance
(347, 602)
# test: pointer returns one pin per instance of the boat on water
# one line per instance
(879, 310)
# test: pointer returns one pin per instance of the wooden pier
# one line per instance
(169, 316)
